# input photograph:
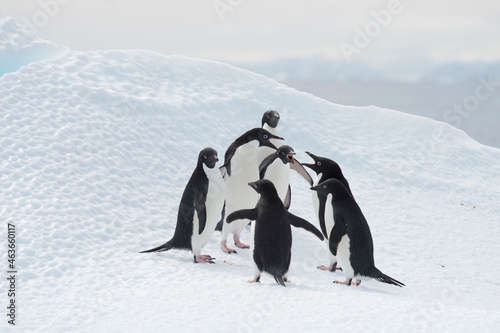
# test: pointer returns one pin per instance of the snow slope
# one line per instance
(97, 147)
(19, 46)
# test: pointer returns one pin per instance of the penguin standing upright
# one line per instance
(240, 167)
(350, 239)
(276, 168)
(200, 208)
(271, 240)
(270, 121)
(325, 169)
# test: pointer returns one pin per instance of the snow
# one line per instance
(96, 148)
(19, 47)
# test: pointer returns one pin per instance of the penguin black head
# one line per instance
(332, 186)
(271, 118)
(208, 156)
(264, 138)
(322, 165)
(285, 154)
(264, 187)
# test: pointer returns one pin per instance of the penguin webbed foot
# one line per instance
(204, 259)
(227, 249)
(239, 244)
(331, 268)
(348, 282)
(255, 279)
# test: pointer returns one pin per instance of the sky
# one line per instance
(238, 31)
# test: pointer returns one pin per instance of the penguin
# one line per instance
(271, 240)
(276, 167)
(350, 239)
(240, 167)
(270, 120)
(325, 169)
(199, 210)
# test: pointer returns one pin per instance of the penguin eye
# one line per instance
(205, 156)
(283, 153)
(265, 136)
(268, 116)
(319, 163)
(324, 186)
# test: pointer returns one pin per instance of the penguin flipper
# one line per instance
(299, 168)
(201, 210)
(288, 198)
(242, 214)
(321, 213)
(299, 222)
(338, 231)
(265, 163)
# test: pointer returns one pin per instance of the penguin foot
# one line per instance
(241, 245)
(226, 249)
(204, 259)
(256, 279)
(238, 243)
(325, 268)
(330, 268)
(348, 282)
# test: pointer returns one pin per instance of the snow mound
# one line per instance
(96, 149)
(20, 46)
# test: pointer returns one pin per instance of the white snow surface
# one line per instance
(95, 151)
(20, 46)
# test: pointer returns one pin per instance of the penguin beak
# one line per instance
(253, 185)
(275, 138)
(315, 188)
(309, 164)
(290, 158)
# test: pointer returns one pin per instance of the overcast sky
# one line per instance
(258, 30)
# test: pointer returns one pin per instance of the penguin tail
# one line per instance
(164, 247)
(279, 280)
(379, 276)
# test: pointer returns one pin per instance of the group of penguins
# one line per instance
(254, 185)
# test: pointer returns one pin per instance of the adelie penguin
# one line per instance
(276, 168)
(240, 167)
(200, 208)
(350, 239)
(270, 121)
(325, 169)
(271, 240)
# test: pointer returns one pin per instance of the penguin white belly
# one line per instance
(263, 152)
(279, 174)
(329, 224)
(343, 257)
(315, 198)
(213, 205)
(239, 195)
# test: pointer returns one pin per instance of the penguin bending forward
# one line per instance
(271, 233)
(350, 239)
(200, 208)
(325, 169)
(240, 167)
(276, 167)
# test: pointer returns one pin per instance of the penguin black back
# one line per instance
(193, 197)
(259, 134)
(350, 221)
